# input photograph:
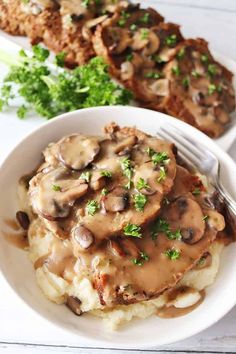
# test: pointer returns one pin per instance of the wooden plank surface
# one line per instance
(22, 331)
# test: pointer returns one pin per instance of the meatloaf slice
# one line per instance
(141, 269)
(200, 89)
(12, 17)
(120, 41)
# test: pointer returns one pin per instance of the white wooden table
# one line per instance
(22, 331)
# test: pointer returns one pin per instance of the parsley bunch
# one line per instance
(50, 90)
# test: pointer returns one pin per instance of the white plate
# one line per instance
(20, 274)
(13, 44)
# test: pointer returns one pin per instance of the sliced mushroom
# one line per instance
(95, 21)
(23, 219)
(125, 145)
(119, 38)
(54, 193)
(130, 247)
(116, 200)
(97, 181)
(83, 236)
(116, 248)
(127, 70)
(166, 54)
(215, 220)
(86, 33)
(139, 41)
(74, 305)
(153, 44)
(221, 115)
(160, 87)
(77, 151)
(186, 214)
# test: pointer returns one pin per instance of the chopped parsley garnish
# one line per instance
(104, 191)
(140, 201)
(143, 257)
(107, 174)
(92, 207)
(171, 40)
(194, 73)
(201, 262)
(133, 230)
(185, 82)
(176, 70)
(211, 89)
(60, 59)
(196, 191)
(181, 53)
(160, 158)
(49, 90)
(85, 176)
(85, 3)
(211, 69)
(204, 58)
(172, 254)
(127, 170)
(158, 59)
(205, 218)
(159, 226)
(144, 34)
(162, 226)
(141, 184)
(162, 174)
(133, 27)
(129, 57)
(124, 18)
(56, 188)
(150, 151)
(145, 18)
(153, 75)
(174, 235)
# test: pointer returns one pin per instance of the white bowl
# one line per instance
(19, 272)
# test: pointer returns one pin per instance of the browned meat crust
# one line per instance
(48, 28)
(202, 94)
(127, 285)
(169, 74)
(149, 57)
(12, 18)
(125, 248)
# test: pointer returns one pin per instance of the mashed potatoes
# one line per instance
(56, 288)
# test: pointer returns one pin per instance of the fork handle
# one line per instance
(226, 197)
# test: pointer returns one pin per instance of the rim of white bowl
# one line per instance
(197, 135)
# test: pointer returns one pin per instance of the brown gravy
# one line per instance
(18, 240)
(173, 312)
(12, 224)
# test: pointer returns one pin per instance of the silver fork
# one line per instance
(200, 157)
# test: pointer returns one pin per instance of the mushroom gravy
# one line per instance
(122, 213)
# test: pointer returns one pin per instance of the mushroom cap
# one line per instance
(78, 151)
(54, 193)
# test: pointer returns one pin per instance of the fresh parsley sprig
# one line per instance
(49, 89)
